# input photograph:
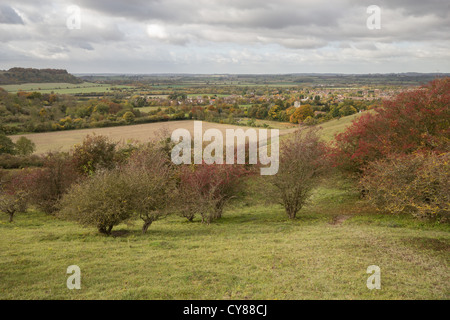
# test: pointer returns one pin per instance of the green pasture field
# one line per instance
(272, 124)
(335, 126)
(62, 88)
(253, 252)
(211, 95)
(151, 108)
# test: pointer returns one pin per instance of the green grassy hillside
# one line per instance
(333, 127)
(254, 252)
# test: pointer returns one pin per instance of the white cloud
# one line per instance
(156, 31)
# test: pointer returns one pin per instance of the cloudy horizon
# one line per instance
(214, 37)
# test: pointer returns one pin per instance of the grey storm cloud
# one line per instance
(9, 16)
(256, 14)
(329, 21)
(439, 8)
(251, 34)
(86, 46)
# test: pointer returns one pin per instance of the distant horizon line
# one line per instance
(232, 74)
(261, 74)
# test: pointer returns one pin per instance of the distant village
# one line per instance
(295, 97)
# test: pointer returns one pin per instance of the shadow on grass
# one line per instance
(440, 245)
(120, 233)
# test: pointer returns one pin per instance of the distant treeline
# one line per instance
(30, 75)
(239, 80)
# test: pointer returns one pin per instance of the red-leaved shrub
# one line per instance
(206, 188)
(46, 185)
(417, 120)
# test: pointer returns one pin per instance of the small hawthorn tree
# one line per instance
(145, 186)
(45, 186)
(302, 163)
(151, 176)
(207, 188)
(102, 200)
(95, 152)
(12, 202)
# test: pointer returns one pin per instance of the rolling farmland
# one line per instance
(64, 140)
(61, 88)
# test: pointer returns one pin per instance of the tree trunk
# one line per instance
(147, 224)
(104, 230)
(292, 215)
(292, 212)
(11, 216)
(219, 209)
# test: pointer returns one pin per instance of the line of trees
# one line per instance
(22, 147)
(42, 112)
(102, 184)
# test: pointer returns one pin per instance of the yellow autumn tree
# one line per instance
(301, 113)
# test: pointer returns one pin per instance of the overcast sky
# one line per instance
(235, 36)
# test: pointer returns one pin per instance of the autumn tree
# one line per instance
(205, 189)
(302, 163)
(301, 113)
(274, 112)
(102, 200)
(417, 184)
(417, 120)
(6, 144)
(347, 110)
(152, 176)
(128, 117)
(24, 146)
(95, 152)
(12, 202)
(45, 186)
(144, 186)
(101, 108)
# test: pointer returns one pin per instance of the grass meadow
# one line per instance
(152, 108)
(335, 126)
(253, 252)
